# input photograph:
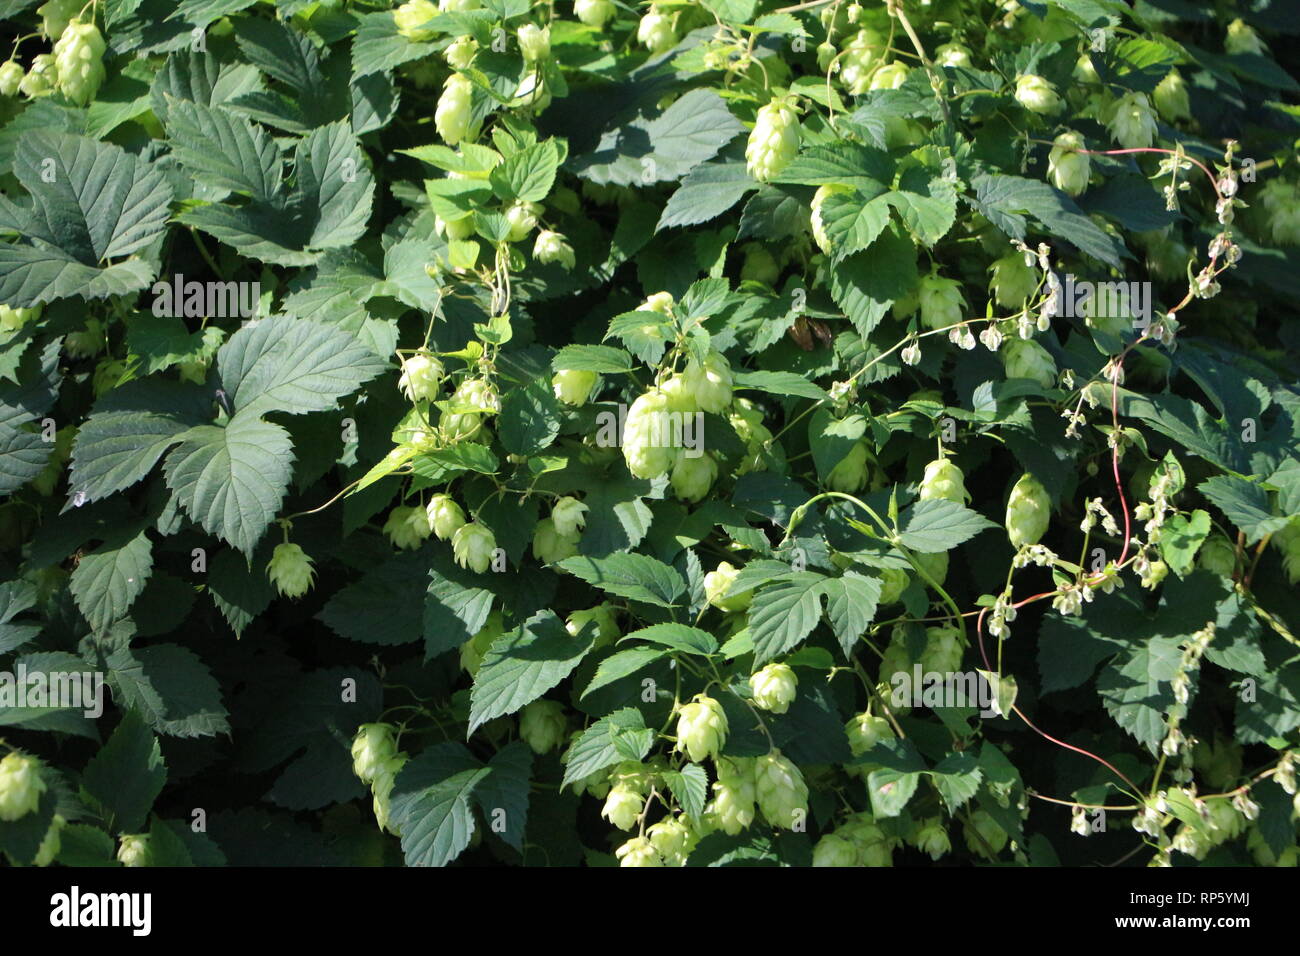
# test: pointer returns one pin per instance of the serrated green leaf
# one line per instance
(127, 775)
(937, 524)
(635, 576)
(106, 582)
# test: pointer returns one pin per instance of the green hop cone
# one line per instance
(549, 546)
(569, 515)
(983, 835)
(893, 582)
(1241, 38)
(701, 728)
(574, 386)
(1287, 541)
(718, 583)
(732, 808)
(552, 247)
(522, 217)
(774, 687)
(542, 725)
(873, 847)
(835, 850)
(623, 805)
(133, 850)
(850, 474)
(290, 570)
(21, 786)
(51, 843)
(382, 788)
(693, 476)
(1133, 121)
(472, 651)
(1036, 94)
(1171, 97)
(944, 480)
(407, 527)
(444, 516)
(1013, 281)
(1281, 202)
(1219, 555)
(534, 42)
(935, 565)
(56, 15)
(372, 747)
(11, 77)
(943, 650)
(952, 54)
(941, 301)
(1067, 168)
(773, 142)
(472, 546)
(823, 193)
(79, 61)
(646, 436)
(889, 77)
(41, 80)
(657, 30)
(1025, 358)
(932, 838)
(859, 60)
(709, 382)
(594, 13)
(1029, 509)
(421, 375)
(638, 851)
(460, 54)
(780, 790)
(603, 616)
(672, 839)
(865, 731)
(759, 265)
(453, 115)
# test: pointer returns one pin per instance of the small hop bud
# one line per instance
(693, 477)
(1029, 510)
(407, 527)
(1036, 94)
(133, 850)
(732, 808)
(472, 547)
(594, 13)
(372, 747)
(453, 115)
(574, 386)
(851, 472)
(672, 840)
(522, 217)
(718, 583)
(1133, 121)
(42, 77)
(534, 42)
(834, 850)
(290, 570)
(549, 546)
(552, 247)
(646, 433)
(1024, 358)
(21, 786)
(409, 17)
(941, 301)
(11, 76)
(773, 141)
(622, 806)
(780, 790)
(709, 382)
(932, 838)
(657, 30)
(444, 516)
(1241, 39)
(1171, 97)
(943, 479)
(774, 688)
(701, 728)
(459, 55)
(569, 515)
(421, 374)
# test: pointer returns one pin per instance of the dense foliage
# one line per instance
(692, 433)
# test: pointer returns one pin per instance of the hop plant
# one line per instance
(1013, 281)
(1281, 202)
(780, 790)
(594, 13)
(549, 546)
(1067, 168)
(638, 851)
(701, 728)
(574, 386)
(603, 616)
(733, 806)
(1240, 38)
(865, 731)
(941, 301)
(709, 382)
(472, 651)
(1025, 358)
(453, 116)
(850, 473)
(421, 375)
(460, 54)
(290, 570)
(382, 789)
(444, 516)
(932, 838)
(410, 16)
(133, 850)
(672, 839)
(372, 747)
(943, 650)
(472, 547)
(522, 217)
(657, 30)
(983, 835)
(1287, 541)
(542, 725)
(774, 687)
(773, 141)
(871, 845)
(952, 54)
(1029, 509)
(1036, 94)
(1133, 122)
(1219, 555)
(718, 582)
(21, 786)
(569, 515)
(622, 806)
(51, 843)
(407, 527)
(693, 476)
(943, 479)
(890, 76)
(859, 60)
(552, 247)
(79, 61)
(43, 77)
(834, 850)
(11, 77)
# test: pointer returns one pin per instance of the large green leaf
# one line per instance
(224, 150)
(937, 524)
(635, 576)
(171, 688)
(784, 613)
(127, 775)
(616, 737)
(430, 804)
(106, 582)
